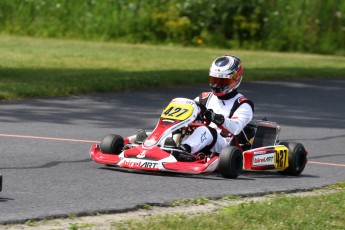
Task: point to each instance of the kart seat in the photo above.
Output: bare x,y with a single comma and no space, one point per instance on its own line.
245,136
258,133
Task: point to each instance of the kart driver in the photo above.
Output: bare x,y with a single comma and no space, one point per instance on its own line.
228,111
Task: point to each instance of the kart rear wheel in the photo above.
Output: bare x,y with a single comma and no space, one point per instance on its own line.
112,144
230,162
297,158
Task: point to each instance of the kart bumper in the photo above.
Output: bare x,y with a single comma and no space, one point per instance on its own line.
97,155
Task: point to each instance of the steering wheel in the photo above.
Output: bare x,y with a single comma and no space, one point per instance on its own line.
201,117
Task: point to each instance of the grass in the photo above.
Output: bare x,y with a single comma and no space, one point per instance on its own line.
284,212
320,209
32,67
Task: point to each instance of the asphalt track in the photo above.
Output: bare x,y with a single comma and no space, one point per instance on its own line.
45,143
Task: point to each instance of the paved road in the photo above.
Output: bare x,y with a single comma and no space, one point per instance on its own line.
54,177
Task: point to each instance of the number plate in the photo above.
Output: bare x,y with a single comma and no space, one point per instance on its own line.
177,111
281,157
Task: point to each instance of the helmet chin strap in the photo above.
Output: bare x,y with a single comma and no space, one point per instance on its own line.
217,89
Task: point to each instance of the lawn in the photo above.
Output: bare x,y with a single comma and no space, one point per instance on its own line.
32,67
283,212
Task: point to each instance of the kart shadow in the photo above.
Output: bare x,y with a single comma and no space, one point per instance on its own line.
246,175
211,176
4,199
49,164
273,175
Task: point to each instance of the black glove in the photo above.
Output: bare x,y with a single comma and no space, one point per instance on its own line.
218,119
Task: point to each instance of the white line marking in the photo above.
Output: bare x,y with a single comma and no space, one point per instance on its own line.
48,138
324,163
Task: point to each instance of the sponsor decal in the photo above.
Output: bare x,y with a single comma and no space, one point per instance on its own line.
183,101
141,155
262,160
233,75
203,137
260,152
242,99
205,95
139,164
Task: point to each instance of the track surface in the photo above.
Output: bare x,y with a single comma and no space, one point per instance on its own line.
47,171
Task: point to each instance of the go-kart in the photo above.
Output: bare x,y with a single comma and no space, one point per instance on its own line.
256,148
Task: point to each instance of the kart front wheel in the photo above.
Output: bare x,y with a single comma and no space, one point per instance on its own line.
112,144
230,162
297,158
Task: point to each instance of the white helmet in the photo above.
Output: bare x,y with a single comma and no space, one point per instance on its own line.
225,75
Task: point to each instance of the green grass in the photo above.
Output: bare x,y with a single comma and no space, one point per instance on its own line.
45,67
311,212
319,209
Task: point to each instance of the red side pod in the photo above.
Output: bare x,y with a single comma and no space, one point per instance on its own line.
264,155
99,157
247,159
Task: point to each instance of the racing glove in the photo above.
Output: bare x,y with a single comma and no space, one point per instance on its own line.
218,119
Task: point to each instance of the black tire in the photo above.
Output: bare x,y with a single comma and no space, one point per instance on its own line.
297,158
230,162
112,144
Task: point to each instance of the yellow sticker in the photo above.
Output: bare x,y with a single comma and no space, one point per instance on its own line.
281,157
177,111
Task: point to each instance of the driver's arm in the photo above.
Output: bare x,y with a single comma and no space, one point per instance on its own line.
241,117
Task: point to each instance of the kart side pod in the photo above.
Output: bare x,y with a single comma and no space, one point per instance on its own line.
265,158
288,158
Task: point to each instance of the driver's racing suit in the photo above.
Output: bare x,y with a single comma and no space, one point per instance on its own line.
237,112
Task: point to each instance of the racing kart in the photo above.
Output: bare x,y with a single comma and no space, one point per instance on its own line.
256,148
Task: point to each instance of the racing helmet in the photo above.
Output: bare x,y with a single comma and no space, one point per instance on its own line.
225,75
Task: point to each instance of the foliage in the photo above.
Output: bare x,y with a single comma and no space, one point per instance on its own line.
281,25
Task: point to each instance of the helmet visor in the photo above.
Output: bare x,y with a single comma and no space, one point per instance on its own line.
222,82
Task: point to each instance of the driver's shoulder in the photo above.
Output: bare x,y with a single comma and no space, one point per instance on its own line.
203,97
241,99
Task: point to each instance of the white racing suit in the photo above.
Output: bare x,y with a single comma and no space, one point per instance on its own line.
237,111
